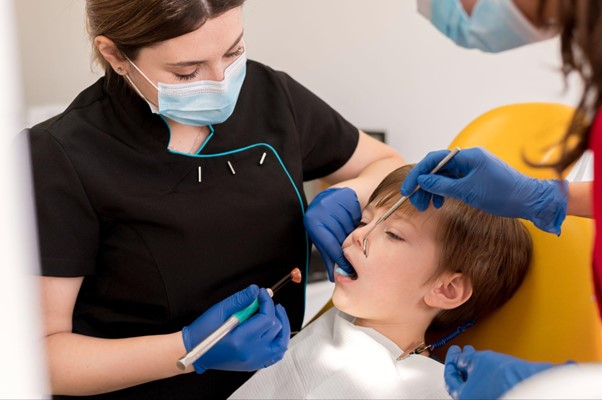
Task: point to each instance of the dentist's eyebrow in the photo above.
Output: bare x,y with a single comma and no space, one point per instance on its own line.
236,42
198,62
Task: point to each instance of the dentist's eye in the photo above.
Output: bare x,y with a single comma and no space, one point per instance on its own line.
393,236
188,77
236,53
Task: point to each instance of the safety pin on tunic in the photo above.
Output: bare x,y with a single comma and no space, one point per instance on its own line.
231,168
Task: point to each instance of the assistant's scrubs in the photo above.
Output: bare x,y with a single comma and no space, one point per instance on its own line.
161,236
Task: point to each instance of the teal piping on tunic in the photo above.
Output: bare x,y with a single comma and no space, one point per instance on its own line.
198,155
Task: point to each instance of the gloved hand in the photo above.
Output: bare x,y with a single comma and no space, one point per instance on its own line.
483,181
258,342
330,218
471,374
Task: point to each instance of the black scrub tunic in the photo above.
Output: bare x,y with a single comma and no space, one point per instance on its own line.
161,236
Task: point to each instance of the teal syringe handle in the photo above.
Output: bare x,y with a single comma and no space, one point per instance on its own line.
244,315
206,344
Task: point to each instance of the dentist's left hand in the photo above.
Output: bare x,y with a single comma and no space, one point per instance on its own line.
330,218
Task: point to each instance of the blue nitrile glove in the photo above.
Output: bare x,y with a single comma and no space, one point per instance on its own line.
258,342
330,218
471,374
483,181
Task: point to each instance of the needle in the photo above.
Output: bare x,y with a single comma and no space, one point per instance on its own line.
238,318
399,202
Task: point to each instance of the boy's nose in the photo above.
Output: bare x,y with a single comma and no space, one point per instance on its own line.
357,236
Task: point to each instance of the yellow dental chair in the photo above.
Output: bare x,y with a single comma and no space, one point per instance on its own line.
553,316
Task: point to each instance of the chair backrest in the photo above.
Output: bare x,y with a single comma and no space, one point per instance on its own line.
553,315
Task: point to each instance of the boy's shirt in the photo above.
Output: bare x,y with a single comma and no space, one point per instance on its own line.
333,358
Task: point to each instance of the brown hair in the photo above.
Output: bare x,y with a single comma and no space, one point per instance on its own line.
492,252
580,26
135,24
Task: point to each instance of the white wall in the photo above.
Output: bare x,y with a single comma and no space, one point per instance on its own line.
379,63
383,66
55,50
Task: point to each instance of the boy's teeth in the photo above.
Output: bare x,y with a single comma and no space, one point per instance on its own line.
341,271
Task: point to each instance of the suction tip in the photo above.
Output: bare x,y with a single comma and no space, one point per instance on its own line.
365,250
296,275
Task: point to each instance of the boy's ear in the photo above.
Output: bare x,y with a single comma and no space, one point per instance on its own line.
449,291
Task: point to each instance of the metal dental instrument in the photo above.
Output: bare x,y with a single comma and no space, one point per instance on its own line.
236,319
399,202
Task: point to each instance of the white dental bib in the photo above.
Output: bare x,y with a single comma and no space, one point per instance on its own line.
334,359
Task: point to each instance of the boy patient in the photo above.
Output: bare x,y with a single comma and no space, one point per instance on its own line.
425,271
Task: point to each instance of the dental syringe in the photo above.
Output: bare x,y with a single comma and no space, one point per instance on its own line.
236,319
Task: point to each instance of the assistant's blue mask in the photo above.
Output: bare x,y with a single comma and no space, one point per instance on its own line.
199,103
493,26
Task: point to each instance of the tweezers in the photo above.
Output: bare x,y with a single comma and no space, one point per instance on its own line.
399,202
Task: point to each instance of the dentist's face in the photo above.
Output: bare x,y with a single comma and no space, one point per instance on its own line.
203,54
391,281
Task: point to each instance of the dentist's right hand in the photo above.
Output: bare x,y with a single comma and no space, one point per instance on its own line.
257,343
481,180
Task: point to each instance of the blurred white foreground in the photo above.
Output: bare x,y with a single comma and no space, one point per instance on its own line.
22,365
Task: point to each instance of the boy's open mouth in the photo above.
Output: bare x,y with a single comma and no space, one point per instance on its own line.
351,275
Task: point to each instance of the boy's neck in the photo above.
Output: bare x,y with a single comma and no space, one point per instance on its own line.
403,334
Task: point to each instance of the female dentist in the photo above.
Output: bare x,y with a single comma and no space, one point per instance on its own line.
169,185
477,177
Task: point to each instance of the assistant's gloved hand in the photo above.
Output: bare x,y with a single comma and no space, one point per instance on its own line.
471,374
483,181
258,342
330,218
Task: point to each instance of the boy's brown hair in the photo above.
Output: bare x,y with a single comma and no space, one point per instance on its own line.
492,252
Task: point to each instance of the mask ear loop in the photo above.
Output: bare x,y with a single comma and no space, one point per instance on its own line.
132,84
141,73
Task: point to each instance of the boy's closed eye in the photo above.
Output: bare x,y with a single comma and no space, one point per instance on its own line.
394,236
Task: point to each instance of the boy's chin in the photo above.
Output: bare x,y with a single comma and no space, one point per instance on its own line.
337,298
342,301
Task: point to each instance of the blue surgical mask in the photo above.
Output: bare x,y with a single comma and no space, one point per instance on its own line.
493,26
199,103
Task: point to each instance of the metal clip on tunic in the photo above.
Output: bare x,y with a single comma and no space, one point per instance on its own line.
415,348
399,202
419,346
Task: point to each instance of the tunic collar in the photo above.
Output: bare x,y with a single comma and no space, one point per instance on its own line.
147,130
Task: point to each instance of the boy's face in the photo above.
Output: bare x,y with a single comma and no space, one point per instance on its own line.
391,281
